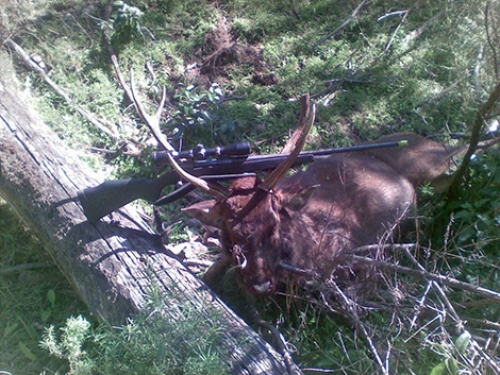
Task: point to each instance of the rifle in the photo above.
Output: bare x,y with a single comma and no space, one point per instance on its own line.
219,163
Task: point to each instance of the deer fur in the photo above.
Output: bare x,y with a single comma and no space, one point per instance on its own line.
310,218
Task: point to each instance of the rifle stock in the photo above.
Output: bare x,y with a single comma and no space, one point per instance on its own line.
109,196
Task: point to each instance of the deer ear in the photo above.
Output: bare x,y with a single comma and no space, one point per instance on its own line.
297,201
204,212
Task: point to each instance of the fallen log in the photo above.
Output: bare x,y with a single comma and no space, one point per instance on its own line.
111,264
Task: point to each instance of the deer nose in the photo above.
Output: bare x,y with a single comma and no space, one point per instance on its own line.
263,288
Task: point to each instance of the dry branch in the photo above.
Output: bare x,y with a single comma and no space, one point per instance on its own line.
343,26
446,280
30,64
434,324
349,307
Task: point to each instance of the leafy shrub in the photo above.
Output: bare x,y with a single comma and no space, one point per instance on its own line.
126,23
476,219
148,344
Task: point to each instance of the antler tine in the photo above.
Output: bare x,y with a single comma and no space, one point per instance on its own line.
153,123
306,121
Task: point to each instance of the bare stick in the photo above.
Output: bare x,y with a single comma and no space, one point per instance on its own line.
389,44
25,58
291,367
460,323
426,275
197,263
343,26
348,305
420,306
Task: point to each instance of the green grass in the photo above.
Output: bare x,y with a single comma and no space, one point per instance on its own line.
147,344
33,294
46,329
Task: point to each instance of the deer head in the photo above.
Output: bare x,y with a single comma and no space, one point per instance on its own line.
254,241
239,208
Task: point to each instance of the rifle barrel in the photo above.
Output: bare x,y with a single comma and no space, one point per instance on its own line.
363,147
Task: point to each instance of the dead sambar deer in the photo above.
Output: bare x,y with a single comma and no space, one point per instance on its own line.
285,229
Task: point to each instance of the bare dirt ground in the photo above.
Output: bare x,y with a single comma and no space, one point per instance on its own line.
222,52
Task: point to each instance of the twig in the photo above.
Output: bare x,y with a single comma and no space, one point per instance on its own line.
343,26
460,323
197,262
389,246
426,275
319,370
292,368
297,270
485,322
421,329
420,306
33,66
493,364
405,16
349,307
111,154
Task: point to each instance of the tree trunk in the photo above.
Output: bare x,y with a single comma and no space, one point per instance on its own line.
111,264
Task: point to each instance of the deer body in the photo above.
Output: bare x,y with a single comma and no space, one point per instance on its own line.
307,220
310,218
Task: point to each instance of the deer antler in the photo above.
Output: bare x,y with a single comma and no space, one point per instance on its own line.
153,123
306,120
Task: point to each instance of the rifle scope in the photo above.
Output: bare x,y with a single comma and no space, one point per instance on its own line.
201,153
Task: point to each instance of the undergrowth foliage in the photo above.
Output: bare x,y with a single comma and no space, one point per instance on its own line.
32,294
233,71
126,23
476,220
147,344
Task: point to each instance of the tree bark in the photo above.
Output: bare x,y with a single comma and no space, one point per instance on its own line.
111,264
